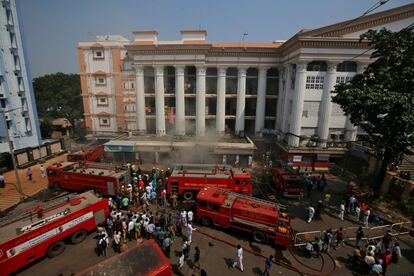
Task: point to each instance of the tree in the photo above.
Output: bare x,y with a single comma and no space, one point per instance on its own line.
381,99
58,96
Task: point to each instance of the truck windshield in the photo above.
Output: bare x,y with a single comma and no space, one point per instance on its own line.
293,183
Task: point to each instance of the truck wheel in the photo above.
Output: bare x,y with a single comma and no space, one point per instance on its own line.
205,221
78,237
55,249
259,237
188,195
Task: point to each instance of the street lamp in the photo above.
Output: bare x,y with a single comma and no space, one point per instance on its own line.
3,116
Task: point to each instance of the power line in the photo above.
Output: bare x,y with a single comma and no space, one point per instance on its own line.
371,9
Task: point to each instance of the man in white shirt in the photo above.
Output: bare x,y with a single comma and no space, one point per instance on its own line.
311,213
352,201
239,257
366,217
117,241
190,230
190,216
341,211
130,229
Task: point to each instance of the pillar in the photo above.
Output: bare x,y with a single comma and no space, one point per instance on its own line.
221,100
179,101
297,108
201,101
141,117
285,116
261,101
326,104
159,100
280,99
241,100
350,129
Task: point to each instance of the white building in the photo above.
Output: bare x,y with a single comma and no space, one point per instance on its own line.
192,87
17,102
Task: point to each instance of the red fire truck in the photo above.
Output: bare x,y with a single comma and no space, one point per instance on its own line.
289,184
265,220
187,180
91,153
143,259
103,179
38,232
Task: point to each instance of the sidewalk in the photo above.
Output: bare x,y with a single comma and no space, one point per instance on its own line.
9,195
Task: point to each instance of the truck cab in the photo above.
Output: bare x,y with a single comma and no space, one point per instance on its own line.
289,184
242,183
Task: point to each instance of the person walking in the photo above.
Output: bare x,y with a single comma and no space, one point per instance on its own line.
239,257
42,171
181,261
166,245
351,206
190,230
309,248
268,265
117,242
311,212
367,213
359,237
29,174
341,211
357,213
131,230
1,181
327,239
174,201
339,237
196,262
183,215
318,246
318,209
190,216
186,249
396,253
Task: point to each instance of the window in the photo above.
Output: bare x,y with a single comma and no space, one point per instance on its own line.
98,54
347,66
28,124
100,81
305,113
104,122
214,207
3,103
103,101
343,79
317,66
314,82
129,107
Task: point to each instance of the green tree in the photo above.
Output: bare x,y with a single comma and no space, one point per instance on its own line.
381,99
58,96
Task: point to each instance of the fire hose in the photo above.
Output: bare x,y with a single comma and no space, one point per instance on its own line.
285,265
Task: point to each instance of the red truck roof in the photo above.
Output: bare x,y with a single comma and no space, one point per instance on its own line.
87,169
243,206
12,227
143,259
286,174
208,171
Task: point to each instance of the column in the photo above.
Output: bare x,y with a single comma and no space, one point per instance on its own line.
159,100
241,100
179,101
326,104
141,116
297,108
261,101
286,117
350,129
221,100
201,101
280,99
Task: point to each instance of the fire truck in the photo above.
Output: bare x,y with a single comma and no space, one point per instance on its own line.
143,259
187,180
92,153
103,179
41,231
289,184
265,220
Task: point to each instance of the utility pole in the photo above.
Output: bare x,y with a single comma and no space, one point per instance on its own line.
4,122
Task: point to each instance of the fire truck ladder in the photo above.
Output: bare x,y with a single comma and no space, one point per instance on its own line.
13,217
279,206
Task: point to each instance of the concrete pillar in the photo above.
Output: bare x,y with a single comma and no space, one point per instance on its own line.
350,129
159,100
221,100
280,99
261,101
297,110
241,100
141,116
179,101
156,157
201,101
326,104
285,116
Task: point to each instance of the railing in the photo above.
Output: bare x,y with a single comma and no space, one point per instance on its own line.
371,233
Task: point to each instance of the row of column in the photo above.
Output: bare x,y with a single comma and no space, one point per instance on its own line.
292,123
200,100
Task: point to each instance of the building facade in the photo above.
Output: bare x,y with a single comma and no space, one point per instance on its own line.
18,114
194,87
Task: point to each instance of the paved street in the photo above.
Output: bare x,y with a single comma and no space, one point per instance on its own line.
10,196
